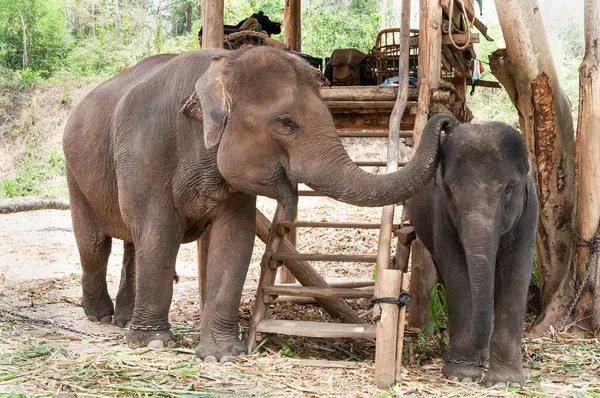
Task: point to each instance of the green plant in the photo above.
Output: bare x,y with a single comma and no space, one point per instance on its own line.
438,308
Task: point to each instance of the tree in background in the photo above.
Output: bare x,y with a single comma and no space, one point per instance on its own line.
327,26
39,23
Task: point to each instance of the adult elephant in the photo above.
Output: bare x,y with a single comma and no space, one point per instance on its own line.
478,218
178,142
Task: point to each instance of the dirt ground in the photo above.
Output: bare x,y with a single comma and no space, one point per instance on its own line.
39,278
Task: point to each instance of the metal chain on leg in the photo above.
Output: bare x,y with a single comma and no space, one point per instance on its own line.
594,246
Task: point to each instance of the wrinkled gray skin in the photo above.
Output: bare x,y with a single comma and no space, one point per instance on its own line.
478,218
141,170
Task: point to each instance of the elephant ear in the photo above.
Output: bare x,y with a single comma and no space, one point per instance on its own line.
210,103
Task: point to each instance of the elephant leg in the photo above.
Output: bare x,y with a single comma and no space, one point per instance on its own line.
513,273
126,294
461,359
156,247
94,249
231,242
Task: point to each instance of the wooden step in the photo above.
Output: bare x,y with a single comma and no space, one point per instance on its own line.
301,291
317,329
350,258
323,224
370,134
310,192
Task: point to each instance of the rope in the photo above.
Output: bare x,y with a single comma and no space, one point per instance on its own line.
402,300
468,43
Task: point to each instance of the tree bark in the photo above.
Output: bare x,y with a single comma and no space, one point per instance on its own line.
527,71
25,57
93,20
212,25
292,14
587,182
117,17
12,206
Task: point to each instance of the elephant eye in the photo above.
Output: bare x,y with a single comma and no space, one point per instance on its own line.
284,124
509,187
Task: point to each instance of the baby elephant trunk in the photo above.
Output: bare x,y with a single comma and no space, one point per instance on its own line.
481,243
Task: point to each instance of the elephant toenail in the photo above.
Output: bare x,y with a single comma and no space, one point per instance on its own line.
156,344
453,378
171,343
210,358
225,359
106,319
92,318
467,380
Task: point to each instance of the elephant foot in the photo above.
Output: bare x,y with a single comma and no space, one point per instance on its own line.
504,376
211,350
123,315
104,319
98,310
150,338
465,373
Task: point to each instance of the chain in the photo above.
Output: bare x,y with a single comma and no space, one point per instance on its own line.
594,245
145,328
479,364
44,322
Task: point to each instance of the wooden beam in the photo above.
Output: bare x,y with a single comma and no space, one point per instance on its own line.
423,276
301,291
460,39
212,25
349,258
291,24
317,329
401,327
202,244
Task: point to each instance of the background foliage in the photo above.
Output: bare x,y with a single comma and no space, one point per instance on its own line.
72,45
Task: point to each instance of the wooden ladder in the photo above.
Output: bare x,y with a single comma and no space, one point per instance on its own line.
388,283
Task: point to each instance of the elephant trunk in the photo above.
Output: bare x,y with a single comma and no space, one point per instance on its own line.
479,237
331,171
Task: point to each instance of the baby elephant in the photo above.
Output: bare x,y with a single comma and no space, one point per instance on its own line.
478,218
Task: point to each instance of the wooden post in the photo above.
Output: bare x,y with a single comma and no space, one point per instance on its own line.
212,37
203,243
400,338
387,215
212,25
285,276
423,277
423,272
291,24
387,329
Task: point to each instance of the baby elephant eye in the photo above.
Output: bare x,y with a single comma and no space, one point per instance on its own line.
284,124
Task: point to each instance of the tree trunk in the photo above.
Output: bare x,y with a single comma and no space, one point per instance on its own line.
188,16
383,10
25,57
527,72
583,272
117,17
93,20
